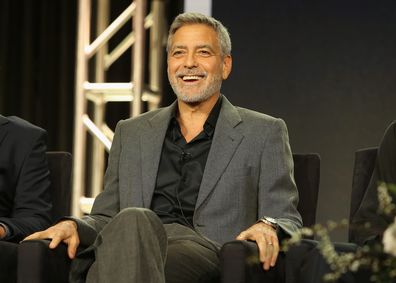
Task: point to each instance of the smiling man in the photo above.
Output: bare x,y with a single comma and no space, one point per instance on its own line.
196,68
184,179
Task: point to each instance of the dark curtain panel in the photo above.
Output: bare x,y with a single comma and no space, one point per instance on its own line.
37,56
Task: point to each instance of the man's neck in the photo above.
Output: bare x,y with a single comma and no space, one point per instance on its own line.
192,116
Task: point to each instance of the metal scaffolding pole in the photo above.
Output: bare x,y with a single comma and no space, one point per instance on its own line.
98,152
157,43
138,57
84,10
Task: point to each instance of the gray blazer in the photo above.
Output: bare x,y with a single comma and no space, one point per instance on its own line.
248,174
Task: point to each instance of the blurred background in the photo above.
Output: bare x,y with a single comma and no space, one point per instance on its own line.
328,68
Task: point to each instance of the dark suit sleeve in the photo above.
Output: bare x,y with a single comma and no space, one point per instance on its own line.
31,210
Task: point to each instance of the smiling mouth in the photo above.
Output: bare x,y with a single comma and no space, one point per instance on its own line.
191,78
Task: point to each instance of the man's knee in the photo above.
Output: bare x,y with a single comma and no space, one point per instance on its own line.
135,211
188,261
135,215
129,219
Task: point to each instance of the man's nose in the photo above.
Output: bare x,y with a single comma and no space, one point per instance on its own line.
190,61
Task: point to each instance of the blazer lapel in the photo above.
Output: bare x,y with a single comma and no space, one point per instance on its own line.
3,128
151,142
225,142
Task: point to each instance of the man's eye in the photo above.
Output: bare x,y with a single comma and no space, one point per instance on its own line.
204,52
177,53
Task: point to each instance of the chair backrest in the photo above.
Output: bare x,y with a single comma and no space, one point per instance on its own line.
60,165
362,170
307,177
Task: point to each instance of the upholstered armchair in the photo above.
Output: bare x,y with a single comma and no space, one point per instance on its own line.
239,259
304,263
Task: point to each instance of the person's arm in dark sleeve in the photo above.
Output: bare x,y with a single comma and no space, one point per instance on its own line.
31,210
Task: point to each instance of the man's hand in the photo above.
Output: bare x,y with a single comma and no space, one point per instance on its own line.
267,240
64,231
2,232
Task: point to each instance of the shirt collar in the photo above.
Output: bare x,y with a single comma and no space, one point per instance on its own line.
210,123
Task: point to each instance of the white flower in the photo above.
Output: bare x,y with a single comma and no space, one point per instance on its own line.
389,239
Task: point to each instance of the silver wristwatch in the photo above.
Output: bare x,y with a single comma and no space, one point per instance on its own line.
269,221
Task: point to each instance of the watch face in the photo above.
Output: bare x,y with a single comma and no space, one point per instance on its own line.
271,220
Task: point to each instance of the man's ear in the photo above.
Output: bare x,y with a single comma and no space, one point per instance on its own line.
227,66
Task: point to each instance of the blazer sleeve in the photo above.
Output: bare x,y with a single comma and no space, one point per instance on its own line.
31,210
107,203
278,195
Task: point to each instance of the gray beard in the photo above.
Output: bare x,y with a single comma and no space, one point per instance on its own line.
201,96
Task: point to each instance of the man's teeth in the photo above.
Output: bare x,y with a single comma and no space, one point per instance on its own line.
188,78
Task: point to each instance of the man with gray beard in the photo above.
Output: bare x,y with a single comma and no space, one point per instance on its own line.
185,179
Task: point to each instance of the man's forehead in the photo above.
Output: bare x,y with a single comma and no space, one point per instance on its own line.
194,30
195,35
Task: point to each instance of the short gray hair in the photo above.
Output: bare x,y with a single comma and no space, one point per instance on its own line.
196,18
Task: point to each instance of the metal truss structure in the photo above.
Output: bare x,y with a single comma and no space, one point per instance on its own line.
99,92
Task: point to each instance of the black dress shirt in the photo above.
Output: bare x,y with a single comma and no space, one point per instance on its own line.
181,169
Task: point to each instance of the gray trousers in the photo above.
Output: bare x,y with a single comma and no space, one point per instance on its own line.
136,247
